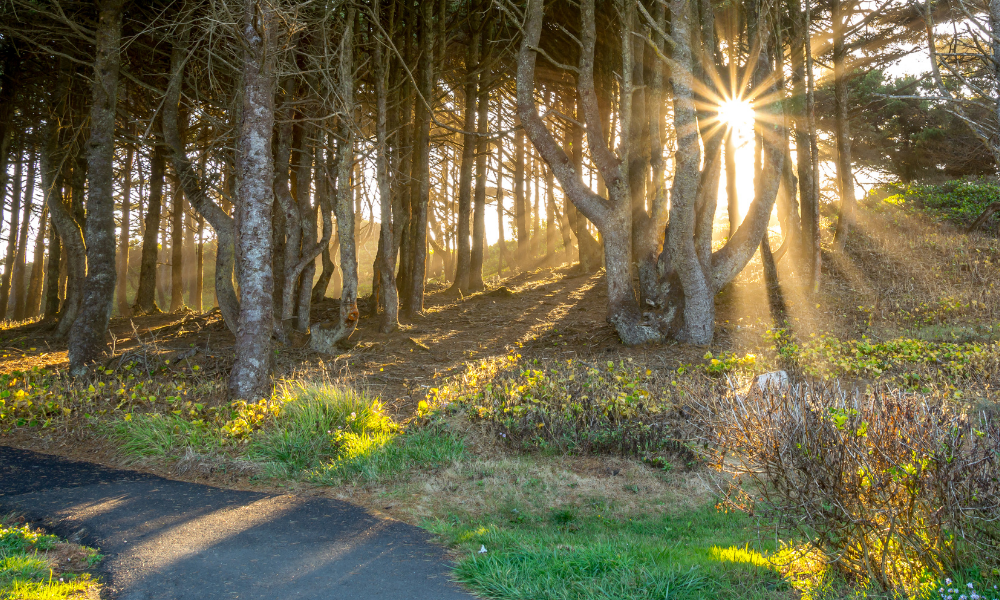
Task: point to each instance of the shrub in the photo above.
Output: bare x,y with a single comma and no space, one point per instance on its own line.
957,201
889,487
575,406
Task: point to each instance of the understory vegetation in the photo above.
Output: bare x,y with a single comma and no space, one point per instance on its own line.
38,566
633,475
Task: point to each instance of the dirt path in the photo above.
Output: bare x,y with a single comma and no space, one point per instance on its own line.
170,539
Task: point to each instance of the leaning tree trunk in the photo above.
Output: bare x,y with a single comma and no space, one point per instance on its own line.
86,338
145,296
326,337
225,258
66,225
250,378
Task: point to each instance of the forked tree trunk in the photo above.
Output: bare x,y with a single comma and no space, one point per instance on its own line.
66,225
250,378
327,337
225,257
86,339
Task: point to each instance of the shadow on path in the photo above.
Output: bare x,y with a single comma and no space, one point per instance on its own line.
170,539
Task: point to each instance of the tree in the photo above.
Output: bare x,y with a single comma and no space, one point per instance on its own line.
251,375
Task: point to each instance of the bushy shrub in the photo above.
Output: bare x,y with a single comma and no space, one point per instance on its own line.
890,487
958,201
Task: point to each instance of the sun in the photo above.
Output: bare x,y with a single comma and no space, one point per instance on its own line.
736,114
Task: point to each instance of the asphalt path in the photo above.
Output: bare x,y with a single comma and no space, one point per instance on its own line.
170,539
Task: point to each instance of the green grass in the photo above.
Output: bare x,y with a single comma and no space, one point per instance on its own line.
330,435
27,575
570,554
320,433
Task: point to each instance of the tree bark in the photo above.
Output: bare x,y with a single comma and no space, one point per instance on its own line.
415,290
66,225
177,248
86,339
15,216
326,337
225,258
842,126
145,296
388,295
464,226
50,293
33,302
19,284
482,150
250,378
123,243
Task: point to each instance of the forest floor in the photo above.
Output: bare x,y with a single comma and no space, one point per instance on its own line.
906,278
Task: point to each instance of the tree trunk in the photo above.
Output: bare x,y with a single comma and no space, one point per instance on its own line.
329,191
805,142
464,226
145,296
482,150
199,273
66,225
842,126
415,290
123,244
15,215
250,378
33,302
19,284
176,248
225,257
326,337
520,205
310,247
86,339
50,293
388,295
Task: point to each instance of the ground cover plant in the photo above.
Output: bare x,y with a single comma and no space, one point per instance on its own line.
958,201
38,566
582,468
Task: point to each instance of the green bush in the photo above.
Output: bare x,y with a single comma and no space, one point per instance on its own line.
957,201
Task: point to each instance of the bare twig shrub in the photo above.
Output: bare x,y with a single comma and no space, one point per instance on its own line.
888,486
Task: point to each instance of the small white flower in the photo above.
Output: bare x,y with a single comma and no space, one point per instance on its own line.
482,549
